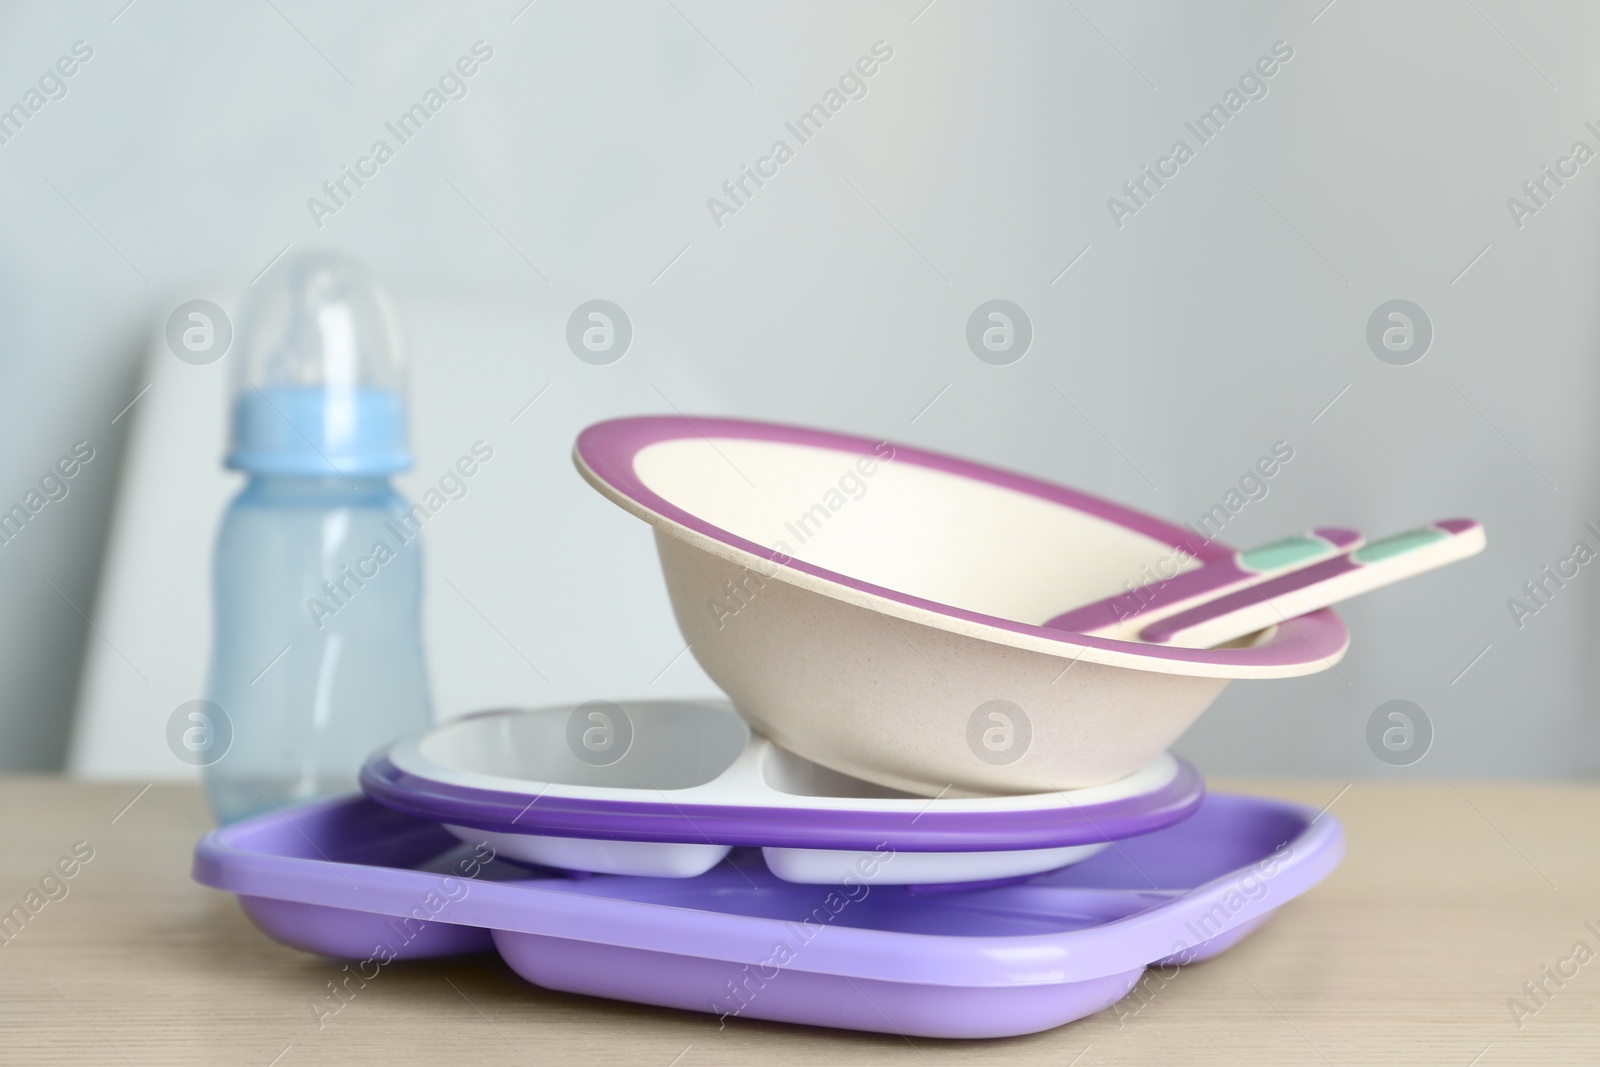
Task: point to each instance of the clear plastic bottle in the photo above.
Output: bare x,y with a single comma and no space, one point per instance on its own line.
317,657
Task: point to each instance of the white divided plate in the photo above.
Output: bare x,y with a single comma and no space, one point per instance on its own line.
667,788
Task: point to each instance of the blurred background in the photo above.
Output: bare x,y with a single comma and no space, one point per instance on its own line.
1422,151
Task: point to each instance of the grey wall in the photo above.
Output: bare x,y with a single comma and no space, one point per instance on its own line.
1222,317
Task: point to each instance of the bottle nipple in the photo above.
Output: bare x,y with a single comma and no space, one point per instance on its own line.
319,377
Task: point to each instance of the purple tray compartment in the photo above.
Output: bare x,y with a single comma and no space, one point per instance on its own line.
342,877
345,934
793,996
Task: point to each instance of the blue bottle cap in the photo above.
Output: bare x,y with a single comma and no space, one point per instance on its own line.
319,387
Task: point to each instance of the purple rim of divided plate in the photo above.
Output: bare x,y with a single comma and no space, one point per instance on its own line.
337,878
607,450
928,830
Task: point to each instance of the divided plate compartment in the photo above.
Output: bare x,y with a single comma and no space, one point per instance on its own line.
667,788
350,879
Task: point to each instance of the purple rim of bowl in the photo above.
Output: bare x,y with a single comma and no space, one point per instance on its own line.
929,830
605,451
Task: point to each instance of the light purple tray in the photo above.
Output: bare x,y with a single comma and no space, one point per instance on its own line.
349,878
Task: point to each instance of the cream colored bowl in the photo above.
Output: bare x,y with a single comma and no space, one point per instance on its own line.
878,609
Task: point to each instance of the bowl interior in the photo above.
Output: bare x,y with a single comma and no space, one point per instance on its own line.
665,745
935,534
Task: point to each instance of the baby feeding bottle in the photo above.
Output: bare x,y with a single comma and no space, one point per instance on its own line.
317,653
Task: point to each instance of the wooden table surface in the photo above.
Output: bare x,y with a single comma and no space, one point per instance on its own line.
1451,898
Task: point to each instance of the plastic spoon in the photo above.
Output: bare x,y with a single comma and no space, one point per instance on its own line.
1380,563
1125,614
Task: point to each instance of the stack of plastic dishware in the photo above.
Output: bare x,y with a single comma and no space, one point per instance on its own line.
925,811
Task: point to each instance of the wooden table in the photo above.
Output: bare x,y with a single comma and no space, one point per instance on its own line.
1451,898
